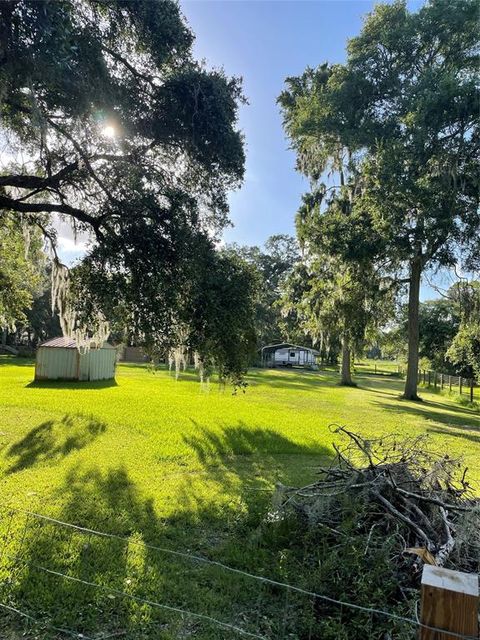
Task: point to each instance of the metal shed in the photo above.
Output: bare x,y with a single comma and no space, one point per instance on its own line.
289,355
59,359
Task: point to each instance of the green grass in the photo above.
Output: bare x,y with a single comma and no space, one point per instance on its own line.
380,367
167,463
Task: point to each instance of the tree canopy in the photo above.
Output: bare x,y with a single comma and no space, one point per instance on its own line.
402,116
21,261
110,123
464,352
272,265
337,300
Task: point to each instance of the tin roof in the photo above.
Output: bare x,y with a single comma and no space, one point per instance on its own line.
68,343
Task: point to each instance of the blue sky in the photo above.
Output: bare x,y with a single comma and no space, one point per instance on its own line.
265,41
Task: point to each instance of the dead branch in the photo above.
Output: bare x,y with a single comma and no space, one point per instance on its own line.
394,489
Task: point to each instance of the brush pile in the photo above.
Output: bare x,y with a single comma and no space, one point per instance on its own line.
392,488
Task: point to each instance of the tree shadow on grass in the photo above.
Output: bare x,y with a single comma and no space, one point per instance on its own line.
11,360
72,385
378,384
460,432
39,551
298,379
52,440
435,412
387,390
241,439
249,461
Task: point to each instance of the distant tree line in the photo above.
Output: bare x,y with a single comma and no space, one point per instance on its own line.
449,332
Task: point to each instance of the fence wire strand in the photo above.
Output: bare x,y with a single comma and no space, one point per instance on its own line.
151,603
195,558
42,623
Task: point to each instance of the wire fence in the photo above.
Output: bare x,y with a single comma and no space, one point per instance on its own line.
59,579
467,388
379,368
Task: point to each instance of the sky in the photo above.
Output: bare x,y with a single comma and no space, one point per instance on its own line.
264,41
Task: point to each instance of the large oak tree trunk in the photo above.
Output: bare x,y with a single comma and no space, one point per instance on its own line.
411,381
346,375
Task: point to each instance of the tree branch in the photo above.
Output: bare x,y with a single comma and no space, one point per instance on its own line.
128,65
38,182
84,157
50,207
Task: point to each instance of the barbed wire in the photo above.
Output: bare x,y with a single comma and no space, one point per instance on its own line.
37,621
151,603
192,557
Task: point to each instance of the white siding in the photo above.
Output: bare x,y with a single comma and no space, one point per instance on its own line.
300,357
56,364
102,364
59,363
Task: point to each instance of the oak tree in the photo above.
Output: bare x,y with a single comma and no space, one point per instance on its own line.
405,104
111,124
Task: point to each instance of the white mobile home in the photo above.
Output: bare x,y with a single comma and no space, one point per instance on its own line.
289,355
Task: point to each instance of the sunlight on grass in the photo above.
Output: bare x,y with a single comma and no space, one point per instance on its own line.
167,463
171,435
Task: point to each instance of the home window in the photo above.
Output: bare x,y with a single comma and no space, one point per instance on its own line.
292,354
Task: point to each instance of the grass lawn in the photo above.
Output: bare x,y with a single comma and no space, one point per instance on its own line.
166,463
376,366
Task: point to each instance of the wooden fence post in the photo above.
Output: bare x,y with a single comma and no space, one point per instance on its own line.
449,602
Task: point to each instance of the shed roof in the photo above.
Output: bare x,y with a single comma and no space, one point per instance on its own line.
68,343
288,345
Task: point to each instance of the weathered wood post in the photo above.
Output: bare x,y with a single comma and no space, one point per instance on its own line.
449,602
